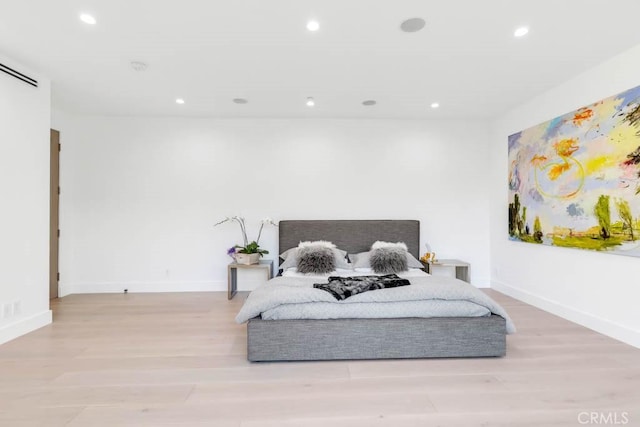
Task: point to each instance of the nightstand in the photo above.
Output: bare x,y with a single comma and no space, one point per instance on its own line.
232,274
460,268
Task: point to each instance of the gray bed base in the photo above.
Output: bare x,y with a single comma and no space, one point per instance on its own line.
351,339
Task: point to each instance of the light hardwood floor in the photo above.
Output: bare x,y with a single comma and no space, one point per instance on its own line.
180,360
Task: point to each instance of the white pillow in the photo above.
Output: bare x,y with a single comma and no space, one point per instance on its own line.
322,243
379,244
284,255
360,260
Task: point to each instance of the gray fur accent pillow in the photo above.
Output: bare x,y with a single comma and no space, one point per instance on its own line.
388,260
291,258
316,259
361,260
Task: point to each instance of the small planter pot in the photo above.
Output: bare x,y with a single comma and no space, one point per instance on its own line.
247,259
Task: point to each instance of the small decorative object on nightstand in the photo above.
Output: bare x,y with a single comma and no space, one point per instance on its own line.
428,257
438,267
232,274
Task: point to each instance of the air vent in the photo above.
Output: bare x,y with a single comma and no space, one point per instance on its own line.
13,73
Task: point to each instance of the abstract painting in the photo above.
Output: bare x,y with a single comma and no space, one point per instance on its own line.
574,181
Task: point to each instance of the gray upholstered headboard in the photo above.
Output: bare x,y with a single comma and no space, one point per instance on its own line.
351,235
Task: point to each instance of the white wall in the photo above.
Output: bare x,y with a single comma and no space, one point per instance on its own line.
24,215
140,195
597,290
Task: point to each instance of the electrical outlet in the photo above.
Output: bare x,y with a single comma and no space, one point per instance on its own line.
17,308
7,310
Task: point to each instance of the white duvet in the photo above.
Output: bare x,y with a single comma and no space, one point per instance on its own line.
294,297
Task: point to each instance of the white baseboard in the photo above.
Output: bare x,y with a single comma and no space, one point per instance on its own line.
481,282
247,285
24,326
598,324
212,286
135,287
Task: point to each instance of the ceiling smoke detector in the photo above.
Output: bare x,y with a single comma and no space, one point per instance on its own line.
413,25
369,102
138,66
240,100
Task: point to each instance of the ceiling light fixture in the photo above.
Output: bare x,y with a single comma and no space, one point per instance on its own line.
311,102
180,101
435,105
313,25
88,19
412,25
520,32
240,100
369,102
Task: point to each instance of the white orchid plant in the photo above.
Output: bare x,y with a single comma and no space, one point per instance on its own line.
252,247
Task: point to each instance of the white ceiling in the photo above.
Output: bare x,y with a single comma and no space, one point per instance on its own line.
209,52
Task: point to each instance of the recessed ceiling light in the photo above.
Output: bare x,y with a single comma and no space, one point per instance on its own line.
138,65
240,100
180,101
369,102
412,25
88,19
435,105
313,25
311,102
522,31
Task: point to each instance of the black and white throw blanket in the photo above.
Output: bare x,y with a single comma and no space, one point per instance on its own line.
344,287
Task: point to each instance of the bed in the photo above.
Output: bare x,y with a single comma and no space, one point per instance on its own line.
369,338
